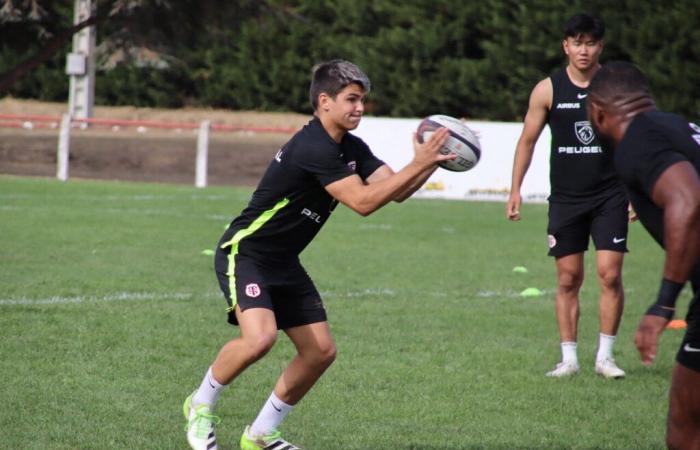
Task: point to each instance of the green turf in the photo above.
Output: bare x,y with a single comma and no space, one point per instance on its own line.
110,314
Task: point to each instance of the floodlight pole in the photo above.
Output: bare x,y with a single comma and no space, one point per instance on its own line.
80,63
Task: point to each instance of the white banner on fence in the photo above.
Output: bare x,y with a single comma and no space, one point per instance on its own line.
390,140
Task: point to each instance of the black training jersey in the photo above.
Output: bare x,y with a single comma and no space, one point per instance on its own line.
579,167
290,204
652,143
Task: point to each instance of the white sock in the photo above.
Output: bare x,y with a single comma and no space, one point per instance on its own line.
270,417
208,392
568,352
605,347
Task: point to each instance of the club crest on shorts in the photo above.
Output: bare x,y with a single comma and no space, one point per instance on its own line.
551,240
584,132
252,290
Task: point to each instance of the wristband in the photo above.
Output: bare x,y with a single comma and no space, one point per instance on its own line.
665,304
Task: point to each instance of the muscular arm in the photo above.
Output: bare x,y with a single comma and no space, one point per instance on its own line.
385,172
677,192
367,198
535,120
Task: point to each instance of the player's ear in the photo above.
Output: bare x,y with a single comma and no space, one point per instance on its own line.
596,115
565,46
323,100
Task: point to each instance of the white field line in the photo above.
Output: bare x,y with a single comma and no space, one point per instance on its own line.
137,212
117,297
375,226
106,198
145,296
351,294
140,296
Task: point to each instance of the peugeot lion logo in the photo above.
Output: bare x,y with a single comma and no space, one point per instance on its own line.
584,132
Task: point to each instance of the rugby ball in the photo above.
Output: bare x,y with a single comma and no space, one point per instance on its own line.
462,141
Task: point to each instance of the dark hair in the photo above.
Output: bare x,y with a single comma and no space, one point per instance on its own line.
584,24
618,79
331,77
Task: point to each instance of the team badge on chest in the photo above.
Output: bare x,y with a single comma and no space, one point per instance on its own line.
584,132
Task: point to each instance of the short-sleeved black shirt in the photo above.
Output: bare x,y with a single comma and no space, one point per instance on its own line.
653,142
290,204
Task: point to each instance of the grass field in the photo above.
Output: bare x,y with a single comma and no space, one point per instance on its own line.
110,314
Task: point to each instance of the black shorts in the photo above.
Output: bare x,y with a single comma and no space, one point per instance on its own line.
604,219
287,289
689,353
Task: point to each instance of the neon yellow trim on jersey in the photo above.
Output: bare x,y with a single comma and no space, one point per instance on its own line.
233,243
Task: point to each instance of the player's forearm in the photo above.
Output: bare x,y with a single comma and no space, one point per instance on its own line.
521,163
376,195
415,185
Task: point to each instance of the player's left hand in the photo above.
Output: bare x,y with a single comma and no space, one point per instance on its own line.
647,337
428,152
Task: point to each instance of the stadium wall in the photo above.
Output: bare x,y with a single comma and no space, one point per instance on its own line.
390,139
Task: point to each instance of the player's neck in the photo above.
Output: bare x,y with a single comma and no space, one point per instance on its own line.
628,111
581,78
335,131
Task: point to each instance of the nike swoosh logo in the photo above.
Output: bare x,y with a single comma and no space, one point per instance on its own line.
580,96
212,386
276,408
688,348
617,241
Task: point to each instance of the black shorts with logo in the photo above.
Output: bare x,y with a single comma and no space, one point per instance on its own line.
286,289
603,218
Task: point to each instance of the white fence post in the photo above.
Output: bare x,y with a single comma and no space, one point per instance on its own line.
63,148
202,151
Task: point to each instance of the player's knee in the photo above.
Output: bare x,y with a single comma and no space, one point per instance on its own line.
682,435
570,281
610,279
322,356
674,441
260,344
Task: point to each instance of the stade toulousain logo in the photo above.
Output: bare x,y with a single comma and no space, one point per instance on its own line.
584,132
252,290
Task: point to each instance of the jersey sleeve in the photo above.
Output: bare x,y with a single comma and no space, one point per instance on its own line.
655,154
367,162
324,162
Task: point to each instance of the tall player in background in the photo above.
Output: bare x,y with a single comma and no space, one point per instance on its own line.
657,156
586,198
257,259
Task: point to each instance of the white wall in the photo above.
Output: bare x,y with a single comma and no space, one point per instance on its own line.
390,140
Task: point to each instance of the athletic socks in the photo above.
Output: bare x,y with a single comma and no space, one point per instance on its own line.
568,352
208,392
270,417
605,347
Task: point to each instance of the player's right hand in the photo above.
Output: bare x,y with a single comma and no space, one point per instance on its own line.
647,337
513,206
428,153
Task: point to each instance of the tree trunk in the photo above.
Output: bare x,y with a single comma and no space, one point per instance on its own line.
8,78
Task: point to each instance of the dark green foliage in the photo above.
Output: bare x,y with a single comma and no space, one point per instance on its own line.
467,59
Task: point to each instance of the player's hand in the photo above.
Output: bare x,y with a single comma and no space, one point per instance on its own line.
647,337
428,153
631,213
513,206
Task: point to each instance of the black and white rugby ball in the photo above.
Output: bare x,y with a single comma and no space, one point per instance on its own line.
462,141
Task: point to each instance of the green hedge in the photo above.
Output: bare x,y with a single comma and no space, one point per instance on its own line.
476,59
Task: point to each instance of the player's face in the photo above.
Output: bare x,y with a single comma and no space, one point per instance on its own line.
347,107
583,51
